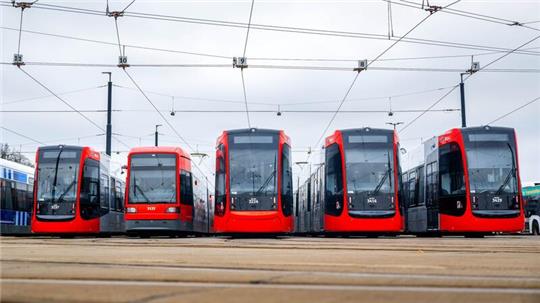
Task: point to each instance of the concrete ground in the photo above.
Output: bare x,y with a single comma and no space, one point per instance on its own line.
289,269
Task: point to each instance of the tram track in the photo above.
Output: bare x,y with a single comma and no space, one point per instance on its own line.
317,287
360,245
296,269
208,273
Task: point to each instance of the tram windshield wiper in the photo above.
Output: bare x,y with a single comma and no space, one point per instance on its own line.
510,173
267,181
383,179
61,197
137,187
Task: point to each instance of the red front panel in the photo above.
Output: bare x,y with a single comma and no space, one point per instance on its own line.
469,222
158,211
253,221
346,223
77,225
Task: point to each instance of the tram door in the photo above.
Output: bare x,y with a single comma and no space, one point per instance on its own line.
432,184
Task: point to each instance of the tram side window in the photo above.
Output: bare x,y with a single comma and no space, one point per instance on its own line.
6,196
411,189
116,195
333,181
105,194
297,202
186,188
451,180
220,177
119,198
286,181
419,187
90,190
309,196
431,183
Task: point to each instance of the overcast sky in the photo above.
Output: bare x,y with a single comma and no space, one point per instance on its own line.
488,94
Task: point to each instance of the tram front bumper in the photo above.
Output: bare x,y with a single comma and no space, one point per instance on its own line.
157,225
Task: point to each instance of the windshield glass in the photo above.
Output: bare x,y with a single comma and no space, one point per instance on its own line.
57,181
369,165
253,165
57,176
491,167
152,178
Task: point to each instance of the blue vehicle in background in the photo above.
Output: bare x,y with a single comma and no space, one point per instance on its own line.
16,197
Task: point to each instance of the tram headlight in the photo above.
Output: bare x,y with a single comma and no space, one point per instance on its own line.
131,210
172,210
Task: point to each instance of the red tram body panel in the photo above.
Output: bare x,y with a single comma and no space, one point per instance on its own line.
158,190
74,192
469,222
365,209
253,182
468,184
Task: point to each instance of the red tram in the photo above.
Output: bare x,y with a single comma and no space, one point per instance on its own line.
468,184
76,192
164,194
254,191
359,185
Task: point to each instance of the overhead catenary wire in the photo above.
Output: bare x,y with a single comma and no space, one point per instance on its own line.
219,111
22,135
127,6
513,111
242,68
285,67
50,95
280,28
66,103
372,68
20,31
356,77
165,119
468,14
252,58
248,27
406,126
64,139
245,98
413,93
116,43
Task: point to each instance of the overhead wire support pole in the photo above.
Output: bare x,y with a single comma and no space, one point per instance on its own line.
108,144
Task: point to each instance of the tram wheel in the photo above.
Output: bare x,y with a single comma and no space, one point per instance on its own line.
535,228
